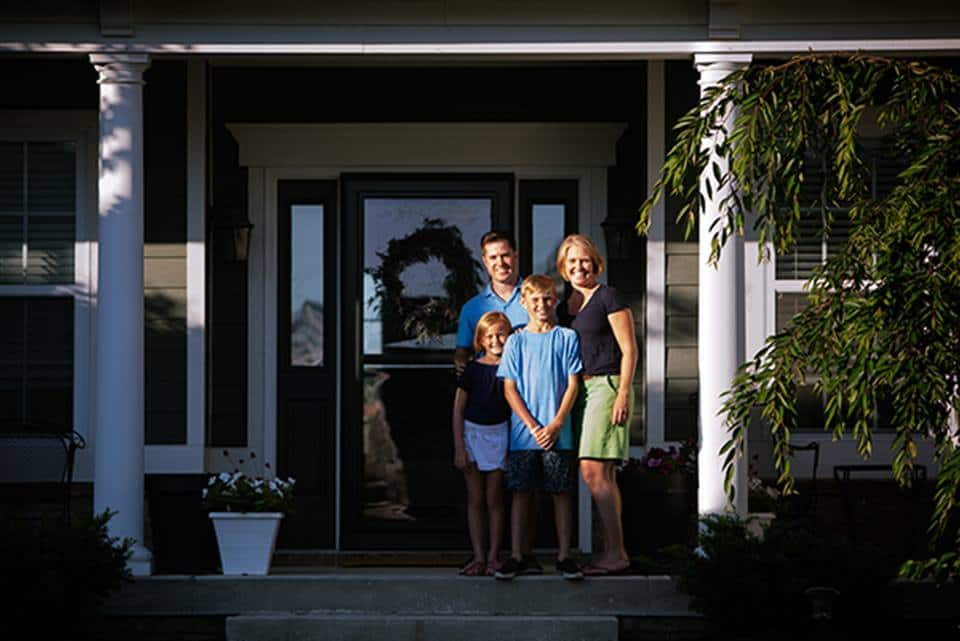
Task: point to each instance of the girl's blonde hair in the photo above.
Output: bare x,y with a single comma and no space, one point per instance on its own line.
488,320
583,242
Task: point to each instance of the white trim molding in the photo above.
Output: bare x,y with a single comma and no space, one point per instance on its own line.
655,352
196,254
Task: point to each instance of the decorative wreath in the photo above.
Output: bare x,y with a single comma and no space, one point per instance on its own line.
433,239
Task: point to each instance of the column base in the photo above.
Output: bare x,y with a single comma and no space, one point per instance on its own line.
141,561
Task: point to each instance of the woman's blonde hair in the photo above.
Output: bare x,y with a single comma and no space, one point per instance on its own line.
584,243
487,321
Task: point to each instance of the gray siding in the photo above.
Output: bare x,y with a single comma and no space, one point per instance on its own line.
165,255
681,308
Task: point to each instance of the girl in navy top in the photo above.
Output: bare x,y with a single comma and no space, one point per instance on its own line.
480,429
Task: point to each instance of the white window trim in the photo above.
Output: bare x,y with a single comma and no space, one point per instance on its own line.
81,128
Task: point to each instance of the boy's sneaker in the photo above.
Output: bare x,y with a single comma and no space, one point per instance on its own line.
570,569
530,565
508,570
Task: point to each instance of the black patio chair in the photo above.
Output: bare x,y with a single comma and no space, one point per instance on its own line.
804,504
32,452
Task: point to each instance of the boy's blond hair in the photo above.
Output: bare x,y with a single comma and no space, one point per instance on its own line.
584,243
538,284
488,320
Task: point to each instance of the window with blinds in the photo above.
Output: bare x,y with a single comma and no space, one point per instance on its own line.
813,243
38,186
36,360
810,404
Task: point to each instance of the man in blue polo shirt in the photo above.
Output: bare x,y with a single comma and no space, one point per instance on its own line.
502,294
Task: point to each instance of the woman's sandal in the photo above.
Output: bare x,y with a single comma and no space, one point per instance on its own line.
473,568
492,567
596,570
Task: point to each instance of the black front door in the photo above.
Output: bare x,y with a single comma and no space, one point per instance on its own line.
307,358
411,257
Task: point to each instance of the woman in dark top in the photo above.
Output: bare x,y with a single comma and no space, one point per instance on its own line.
608,347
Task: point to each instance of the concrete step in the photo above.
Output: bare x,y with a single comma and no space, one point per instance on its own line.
322,626
401,592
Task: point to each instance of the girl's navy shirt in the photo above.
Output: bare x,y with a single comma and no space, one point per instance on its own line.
486,403
598,346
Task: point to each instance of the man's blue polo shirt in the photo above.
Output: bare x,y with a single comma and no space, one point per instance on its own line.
488,301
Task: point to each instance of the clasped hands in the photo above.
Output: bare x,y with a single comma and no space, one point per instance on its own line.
545,435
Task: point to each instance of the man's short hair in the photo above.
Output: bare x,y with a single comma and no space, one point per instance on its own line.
495,236
538,284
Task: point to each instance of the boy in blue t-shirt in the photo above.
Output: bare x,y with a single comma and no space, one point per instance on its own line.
540,367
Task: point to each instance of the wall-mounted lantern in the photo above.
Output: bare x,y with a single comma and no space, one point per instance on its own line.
619,236
232,238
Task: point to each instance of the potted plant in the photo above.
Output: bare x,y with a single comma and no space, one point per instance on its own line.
246,511
659,492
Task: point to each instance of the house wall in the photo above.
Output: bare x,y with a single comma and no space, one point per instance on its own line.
165,252
680,407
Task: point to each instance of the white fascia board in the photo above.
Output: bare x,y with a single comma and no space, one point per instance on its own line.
516,41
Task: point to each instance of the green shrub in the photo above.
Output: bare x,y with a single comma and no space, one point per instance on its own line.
61,574
748,587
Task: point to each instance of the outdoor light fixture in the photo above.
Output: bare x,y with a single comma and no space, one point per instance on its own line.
232,237
241,240
618,235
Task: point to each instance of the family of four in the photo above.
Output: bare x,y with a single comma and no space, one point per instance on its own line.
543,385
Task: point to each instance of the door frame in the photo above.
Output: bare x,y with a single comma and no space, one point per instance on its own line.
272,152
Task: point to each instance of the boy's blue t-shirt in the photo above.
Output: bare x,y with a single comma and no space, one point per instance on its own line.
541,365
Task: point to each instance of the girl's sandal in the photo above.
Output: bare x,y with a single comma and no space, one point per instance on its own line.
473,568
492,567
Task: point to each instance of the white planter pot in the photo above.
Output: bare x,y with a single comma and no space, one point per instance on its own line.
246,540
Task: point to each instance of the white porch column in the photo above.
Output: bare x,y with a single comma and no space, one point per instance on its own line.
720,334
118,475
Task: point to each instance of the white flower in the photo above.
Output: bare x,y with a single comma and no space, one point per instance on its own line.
223,476
204,492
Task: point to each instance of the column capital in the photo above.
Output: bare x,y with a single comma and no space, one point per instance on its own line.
720,64
120,68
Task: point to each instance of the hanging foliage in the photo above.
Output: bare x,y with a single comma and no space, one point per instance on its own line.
882,324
